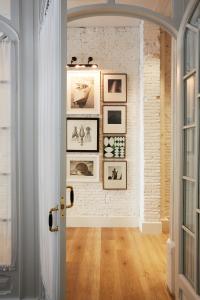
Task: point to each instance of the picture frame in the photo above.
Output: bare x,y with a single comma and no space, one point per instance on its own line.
114,87
82,168
82,134
114,119
114,175
114,146
83,92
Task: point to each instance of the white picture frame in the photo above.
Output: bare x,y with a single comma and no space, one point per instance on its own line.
82,168
83,92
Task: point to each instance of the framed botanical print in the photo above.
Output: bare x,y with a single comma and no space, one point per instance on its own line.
115,175
114,119
114,146
83,92
81,168
115,87
82,135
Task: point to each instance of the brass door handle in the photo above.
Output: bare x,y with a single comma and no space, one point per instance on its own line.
51,228
71,196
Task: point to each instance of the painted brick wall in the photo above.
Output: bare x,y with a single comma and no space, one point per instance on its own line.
116,49
151,122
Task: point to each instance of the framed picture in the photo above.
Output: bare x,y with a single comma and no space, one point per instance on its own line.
114,119
82,168
83,92
115,87
82,135
114,146
115,175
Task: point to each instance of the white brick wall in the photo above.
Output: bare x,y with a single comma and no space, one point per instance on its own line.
118,49
151,123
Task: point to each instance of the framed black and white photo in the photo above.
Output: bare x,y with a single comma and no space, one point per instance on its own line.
83,92
115,87
114,146
82,134
114,119
81,168
115,175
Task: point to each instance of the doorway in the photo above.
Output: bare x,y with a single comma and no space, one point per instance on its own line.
103,220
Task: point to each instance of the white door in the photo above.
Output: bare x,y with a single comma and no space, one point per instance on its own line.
188,255
51,148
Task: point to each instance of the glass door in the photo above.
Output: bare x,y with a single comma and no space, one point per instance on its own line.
190,212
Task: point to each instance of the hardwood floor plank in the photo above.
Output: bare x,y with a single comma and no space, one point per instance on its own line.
115,264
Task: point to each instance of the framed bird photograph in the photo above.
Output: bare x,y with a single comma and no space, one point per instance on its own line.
83,92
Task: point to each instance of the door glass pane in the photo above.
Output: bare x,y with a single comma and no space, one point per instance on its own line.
5,152
76,3
189,100
189,152
190,50
5,8
195,20
188,257
188,204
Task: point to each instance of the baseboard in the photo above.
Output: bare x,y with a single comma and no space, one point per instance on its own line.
98,221
165,225
171,266
151,227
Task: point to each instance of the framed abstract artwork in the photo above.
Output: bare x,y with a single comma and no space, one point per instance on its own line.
114,119
114,146
115,87
115,175
81,168
83,92
82,134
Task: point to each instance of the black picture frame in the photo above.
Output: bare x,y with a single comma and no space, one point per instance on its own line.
79,120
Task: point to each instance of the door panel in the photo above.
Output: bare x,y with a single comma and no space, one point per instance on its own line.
51,134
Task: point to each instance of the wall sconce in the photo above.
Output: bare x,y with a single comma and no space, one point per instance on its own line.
88,65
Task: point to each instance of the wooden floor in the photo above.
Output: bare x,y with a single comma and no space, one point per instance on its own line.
115,264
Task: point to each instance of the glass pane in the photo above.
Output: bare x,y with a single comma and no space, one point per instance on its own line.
5,152
195,20
190,50
189,152
76,3
163,7
190,100
189,204
188,257
5,8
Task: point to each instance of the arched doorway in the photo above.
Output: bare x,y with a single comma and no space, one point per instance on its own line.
113,9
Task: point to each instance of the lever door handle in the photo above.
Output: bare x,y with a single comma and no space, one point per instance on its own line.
51,228
71,197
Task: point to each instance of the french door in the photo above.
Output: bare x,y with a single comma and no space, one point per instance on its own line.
51,149
189,248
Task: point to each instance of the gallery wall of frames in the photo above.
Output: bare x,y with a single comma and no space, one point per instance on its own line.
85,90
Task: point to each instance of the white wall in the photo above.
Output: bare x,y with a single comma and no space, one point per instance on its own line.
134,50
116,49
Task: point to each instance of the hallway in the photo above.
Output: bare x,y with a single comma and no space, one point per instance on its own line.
115,263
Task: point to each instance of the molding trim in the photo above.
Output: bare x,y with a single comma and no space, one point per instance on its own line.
171,266
99,221
151,227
